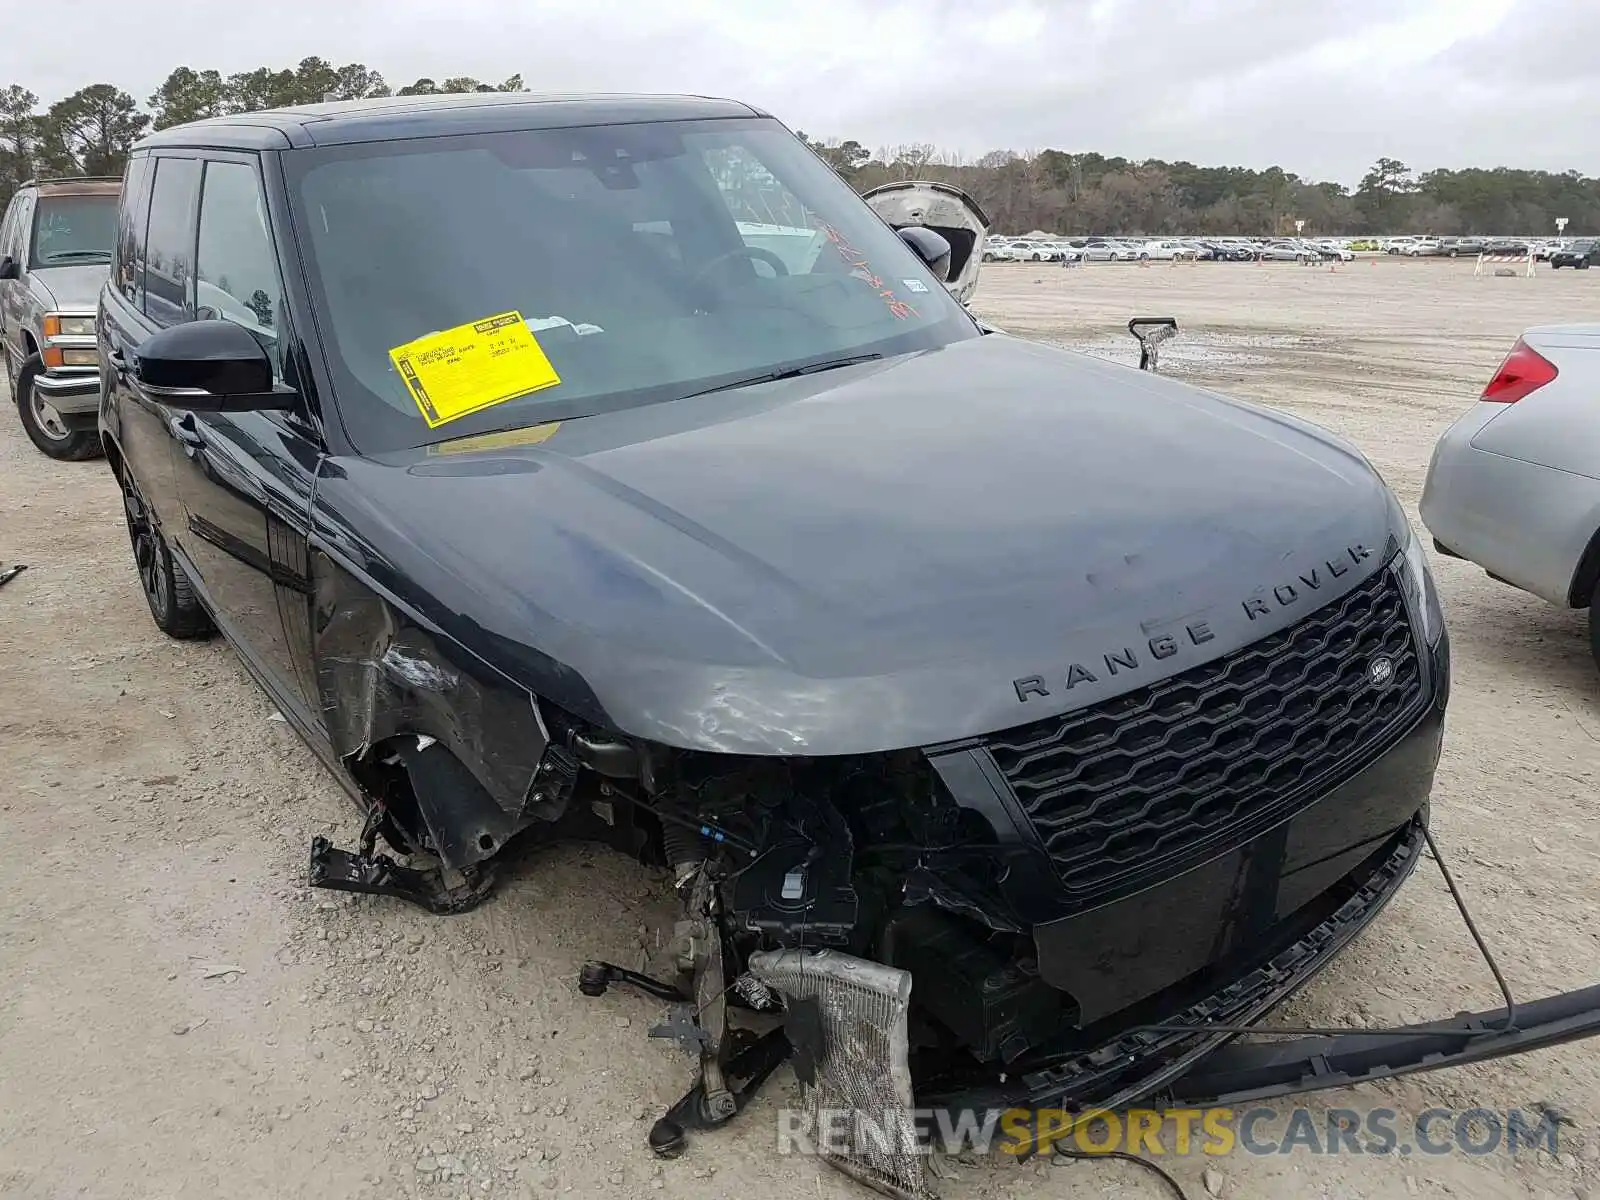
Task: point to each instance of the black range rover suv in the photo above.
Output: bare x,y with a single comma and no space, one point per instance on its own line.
606,468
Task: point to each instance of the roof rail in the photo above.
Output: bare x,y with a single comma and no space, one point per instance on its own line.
72,179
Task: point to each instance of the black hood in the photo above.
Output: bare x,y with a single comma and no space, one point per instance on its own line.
900,553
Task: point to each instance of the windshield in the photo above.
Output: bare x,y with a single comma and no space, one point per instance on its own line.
647,262
73,229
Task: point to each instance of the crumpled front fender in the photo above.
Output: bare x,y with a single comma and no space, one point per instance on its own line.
382,672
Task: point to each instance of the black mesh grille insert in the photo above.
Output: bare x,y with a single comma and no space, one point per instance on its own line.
1219,751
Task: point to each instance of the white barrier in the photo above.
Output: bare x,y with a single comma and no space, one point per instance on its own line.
1478,272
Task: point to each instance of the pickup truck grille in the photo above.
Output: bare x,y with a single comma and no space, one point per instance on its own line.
1212,756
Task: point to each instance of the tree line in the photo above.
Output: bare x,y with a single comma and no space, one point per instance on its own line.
91,131
1060,192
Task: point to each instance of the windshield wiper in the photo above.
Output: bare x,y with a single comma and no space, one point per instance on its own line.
60,254
815,368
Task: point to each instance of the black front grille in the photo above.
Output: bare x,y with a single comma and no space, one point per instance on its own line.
1220,751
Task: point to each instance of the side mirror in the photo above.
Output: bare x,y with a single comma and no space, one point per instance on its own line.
9,268
208,366
930,247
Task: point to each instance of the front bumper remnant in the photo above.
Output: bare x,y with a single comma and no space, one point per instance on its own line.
856,1060
860,1065
379,875
1248,1071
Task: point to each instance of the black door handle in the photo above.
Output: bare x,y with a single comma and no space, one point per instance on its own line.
185,430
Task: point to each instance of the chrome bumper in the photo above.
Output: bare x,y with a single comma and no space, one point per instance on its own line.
70,393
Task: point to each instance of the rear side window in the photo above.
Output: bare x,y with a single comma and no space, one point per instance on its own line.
132,218
7,223
169,243
10,229
236,270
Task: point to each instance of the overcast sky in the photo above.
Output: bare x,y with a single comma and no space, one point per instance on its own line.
1320,89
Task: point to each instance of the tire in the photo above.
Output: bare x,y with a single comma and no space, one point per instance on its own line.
987,257
173,605
1583,264
45,429
1594,624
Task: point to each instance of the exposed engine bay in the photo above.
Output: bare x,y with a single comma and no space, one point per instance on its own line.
850,915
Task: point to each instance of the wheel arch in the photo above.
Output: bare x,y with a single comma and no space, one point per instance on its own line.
1585,578
393,686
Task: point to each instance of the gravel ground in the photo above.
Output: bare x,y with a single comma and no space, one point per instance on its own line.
182,1017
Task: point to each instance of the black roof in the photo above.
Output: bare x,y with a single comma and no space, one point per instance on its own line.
348,121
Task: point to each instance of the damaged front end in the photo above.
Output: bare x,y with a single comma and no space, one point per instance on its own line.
1074,913
889,923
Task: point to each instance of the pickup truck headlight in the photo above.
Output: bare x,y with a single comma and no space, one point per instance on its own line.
80,358
1418,580
55,325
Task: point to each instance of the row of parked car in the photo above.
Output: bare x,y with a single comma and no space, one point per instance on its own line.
1574,252
1221,249
1569,252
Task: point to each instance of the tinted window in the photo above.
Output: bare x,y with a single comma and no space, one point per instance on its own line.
650,261
7,223
169,246
236,273
132,217
73,229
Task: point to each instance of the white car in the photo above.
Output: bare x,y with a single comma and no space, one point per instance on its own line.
1514,484
1287,250
1164,251
1108,250
1028,250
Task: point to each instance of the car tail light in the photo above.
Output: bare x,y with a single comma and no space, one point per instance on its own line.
1524,370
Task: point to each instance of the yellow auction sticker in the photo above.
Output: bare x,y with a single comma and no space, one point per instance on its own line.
472,367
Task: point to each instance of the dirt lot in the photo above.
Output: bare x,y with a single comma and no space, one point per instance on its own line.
155,818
